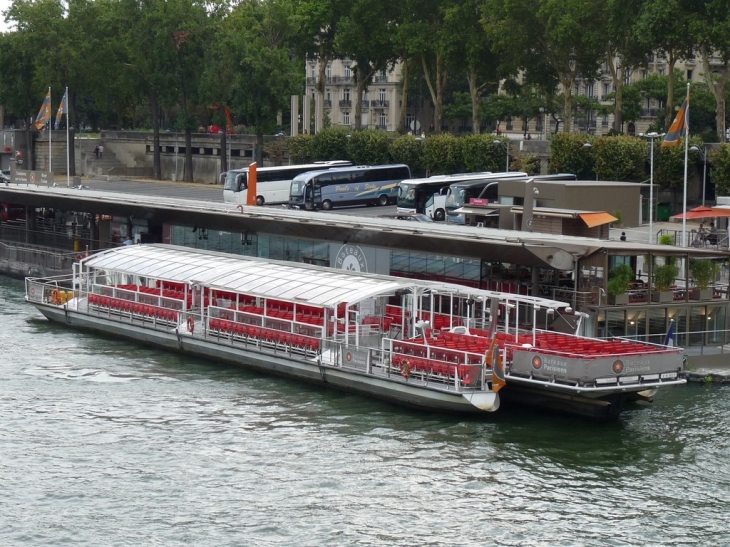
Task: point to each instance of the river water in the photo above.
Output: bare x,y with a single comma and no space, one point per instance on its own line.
104,442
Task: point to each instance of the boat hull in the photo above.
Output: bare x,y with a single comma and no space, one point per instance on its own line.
392,389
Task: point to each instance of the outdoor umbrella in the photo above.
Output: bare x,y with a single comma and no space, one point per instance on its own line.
702,212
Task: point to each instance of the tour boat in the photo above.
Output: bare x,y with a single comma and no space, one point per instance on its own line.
421,343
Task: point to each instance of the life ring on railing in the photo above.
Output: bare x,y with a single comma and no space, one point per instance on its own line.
191,324
79,256
405,369
55,297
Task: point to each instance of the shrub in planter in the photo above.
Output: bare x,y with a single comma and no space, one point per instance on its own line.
704,272
619,280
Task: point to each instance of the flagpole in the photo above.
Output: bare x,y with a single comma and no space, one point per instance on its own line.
686,152
50,127
68,151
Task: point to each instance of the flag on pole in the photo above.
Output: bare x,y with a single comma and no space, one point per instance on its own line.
669,340
62,109
680,125
44,114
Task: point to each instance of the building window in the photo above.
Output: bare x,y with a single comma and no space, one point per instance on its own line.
644,74
589,90
508,121
689,75
345,118
538,123
381,94
605,89
346,94
661,72
329,95
382,121
348,72
410,121
329,72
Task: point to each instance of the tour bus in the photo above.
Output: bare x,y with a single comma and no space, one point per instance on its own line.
343,186
484,187
272,183
428,195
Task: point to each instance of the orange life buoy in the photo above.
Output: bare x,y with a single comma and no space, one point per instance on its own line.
191,324
55,297
405,368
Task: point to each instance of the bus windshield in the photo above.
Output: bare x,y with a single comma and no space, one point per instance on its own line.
231,183
297,186
406,194
456,197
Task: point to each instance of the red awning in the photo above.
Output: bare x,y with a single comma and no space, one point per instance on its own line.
597,219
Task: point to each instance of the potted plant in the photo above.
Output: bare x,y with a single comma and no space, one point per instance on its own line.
619,280
665,275
704,273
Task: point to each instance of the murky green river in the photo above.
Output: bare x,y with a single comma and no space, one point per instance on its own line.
104,442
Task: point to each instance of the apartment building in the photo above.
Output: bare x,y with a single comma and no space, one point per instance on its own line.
381,102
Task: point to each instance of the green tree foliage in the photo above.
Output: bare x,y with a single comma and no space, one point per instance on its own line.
300,148
331,144
369,147
669,165
528,163
720,170
620,158
568,154
260,35
442,154
480,153
409,150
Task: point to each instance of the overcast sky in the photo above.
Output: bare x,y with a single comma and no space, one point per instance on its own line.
4,4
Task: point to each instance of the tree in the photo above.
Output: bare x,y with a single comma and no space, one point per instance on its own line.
543,36
365,36
710,26
622,45
260,35
720,170
318,21
568,154
472,53
620,158
663,27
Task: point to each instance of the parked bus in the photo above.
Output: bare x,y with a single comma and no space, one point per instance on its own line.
428,195
272,183
361,185
483,187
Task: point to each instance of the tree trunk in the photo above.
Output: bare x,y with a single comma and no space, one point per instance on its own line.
474,94
360,83
618,104
320,88
404,97
436,89
157,164
717,87
567,79
224,151
669,107
188,175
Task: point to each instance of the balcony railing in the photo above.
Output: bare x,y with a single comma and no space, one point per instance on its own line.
380,79
365,103
380,104
327,103
345,103
650,112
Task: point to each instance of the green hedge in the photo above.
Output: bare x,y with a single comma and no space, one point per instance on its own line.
620,158
568,154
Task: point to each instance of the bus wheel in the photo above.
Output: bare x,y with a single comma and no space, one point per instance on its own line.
439,214
327,205
259,200
383,200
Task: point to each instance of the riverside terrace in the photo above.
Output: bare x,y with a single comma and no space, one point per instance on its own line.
520,262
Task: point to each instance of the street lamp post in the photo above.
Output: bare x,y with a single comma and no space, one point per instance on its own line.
651,136
542,124
703,155
506,148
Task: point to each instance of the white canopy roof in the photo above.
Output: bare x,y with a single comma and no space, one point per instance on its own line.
315,285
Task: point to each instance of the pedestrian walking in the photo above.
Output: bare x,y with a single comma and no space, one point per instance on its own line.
623,236
96,152
101,151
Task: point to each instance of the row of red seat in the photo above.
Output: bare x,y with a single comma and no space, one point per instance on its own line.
434,366
269,335
137,308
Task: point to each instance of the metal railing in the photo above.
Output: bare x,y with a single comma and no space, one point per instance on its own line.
717,240
37,256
